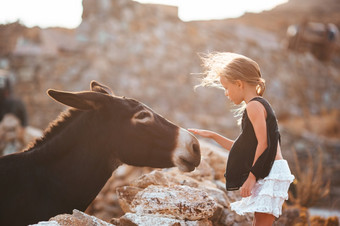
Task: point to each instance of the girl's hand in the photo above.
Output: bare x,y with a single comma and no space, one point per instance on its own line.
221,140
201,132
248,185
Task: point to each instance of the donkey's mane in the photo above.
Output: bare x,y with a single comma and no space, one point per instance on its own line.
61,122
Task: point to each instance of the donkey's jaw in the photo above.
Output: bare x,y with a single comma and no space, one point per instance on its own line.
186,155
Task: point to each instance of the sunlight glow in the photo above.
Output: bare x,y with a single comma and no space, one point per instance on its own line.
216,9
163,2
67,13
43,13
221,9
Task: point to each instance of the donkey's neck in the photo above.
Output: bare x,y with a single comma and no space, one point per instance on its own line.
75,158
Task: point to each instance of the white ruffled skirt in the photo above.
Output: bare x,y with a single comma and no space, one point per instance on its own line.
269,193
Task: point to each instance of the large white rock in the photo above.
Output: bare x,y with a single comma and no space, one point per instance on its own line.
147,220
178,201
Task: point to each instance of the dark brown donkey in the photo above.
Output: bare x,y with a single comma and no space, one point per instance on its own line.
67,168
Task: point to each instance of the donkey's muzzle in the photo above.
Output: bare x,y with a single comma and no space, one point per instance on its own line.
187,154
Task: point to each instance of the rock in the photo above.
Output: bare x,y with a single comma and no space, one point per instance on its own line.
217,214
218,195
216,157
332,221
126,195
156,177
203,172
47,223
147,220
293,215
167,177
171,196
164,194
175,177
181,202
77,218
107,204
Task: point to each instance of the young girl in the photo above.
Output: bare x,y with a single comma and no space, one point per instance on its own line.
255,164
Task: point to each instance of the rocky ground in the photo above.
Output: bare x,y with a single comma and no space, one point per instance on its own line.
146,52
170,197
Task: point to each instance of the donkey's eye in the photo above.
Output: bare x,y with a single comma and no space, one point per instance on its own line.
143,114
142,117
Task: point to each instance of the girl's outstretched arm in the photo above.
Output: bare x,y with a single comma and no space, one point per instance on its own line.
221,140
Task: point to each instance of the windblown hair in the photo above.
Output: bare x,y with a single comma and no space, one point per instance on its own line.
233,67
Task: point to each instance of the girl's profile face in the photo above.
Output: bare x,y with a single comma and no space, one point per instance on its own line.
232,90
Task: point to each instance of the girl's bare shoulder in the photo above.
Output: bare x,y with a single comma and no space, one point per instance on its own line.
255,109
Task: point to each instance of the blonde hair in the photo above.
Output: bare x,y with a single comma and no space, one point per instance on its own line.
233,67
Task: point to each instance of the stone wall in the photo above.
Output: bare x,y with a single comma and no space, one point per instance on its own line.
146,52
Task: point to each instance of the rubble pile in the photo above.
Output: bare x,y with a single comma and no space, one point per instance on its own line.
172,195
113,202
167,196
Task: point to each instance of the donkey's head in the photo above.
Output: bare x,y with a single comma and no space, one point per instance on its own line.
135,133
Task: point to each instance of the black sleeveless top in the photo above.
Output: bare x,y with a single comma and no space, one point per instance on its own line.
242,153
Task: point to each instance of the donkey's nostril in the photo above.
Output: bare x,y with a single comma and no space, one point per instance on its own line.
196,148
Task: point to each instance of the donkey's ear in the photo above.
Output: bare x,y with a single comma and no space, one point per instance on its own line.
81,100
97,87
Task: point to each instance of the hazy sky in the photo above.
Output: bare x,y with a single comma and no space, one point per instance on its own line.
217,9
67,13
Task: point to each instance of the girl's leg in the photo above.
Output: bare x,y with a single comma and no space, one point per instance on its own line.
263,219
